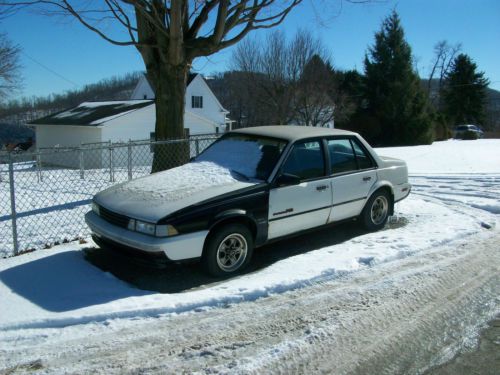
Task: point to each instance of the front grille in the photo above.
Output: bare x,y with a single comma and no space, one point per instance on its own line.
113,217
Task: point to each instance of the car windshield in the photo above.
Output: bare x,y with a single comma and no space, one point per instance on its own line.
248,157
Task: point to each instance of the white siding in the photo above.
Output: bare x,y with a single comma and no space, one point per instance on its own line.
65,135
139,124
48,136
212,109
134,125
198,125
143,90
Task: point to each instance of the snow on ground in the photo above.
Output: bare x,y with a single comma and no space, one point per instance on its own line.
452,156
52,209
58,287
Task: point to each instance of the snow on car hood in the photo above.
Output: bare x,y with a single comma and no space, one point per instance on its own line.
153,197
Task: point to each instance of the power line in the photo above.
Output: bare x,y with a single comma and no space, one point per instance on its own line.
50,70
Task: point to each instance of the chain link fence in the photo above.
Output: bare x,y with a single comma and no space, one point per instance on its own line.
45,195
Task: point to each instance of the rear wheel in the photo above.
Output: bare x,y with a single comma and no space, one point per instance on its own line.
228,250
376,211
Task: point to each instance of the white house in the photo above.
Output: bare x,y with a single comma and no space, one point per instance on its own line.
121,121
203,109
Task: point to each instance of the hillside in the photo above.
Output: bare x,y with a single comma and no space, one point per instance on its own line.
492,104
21,112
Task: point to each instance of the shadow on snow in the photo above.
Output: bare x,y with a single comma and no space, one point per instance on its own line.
64,282
177,278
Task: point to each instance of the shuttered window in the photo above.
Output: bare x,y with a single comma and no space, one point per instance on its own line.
196,101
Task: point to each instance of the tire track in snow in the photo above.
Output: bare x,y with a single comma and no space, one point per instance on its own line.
401,317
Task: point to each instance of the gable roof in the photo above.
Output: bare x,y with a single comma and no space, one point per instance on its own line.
190,78
93,113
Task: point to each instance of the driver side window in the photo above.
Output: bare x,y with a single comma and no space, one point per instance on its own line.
305,160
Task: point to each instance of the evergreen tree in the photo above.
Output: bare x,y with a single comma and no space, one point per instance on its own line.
465,92
394,98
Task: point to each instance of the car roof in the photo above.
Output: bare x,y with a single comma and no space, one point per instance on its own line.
292,133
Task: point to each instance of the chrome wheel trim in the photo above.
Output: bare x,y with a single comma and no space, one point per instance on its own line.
379,210
232,252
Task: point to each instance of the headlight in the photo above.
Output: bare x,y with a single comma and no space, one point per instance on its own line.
95,208
152,229
143,227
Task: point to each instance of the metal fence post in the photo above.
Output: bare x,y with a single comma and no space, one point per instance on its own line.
39,167
111,164
82,166
197,146
13,205
129,159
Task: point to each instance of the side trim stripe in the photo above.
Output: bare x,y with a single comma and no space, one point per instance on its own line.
316,209
351,201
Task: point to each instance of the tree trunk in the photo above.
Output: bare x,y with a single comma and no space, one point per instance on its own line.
170,89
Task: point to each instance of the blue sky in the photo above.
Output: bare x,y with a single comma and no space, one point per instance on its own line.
72,56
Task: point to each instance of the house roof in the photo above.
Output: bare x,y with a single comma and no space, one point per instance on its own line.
93,113
190,78
292,133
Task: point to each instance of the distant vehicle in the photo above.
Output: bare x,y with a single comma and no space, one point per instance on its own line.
250,187
468,132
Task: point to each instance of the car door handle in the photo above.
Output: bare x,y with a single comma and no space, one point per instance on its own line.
367,178
321,187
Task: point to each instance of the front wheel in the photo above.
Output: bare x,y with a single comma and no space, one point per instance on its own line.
376,211
228,250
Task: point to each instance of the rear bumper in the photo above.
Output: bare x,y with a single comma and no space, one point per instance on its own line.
401,191
176,248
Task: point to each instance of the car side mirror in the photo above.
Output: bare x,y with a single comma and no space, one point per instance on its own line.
287,179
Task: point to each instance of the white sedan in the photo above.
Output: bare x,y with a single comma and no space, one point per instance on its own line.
250,187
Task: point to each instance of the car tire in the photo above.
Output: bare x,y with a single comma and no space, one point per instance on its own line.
228,250
376,211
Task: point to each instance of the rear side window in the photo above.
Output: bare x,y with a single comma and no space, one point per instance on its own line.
342,158
347,155
305,160
364,161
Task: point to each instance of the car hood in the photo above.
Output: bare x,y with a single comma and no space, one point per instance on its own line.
153,197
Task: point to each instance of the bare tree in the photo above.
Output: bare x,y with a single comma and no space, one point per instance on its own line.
169,35
293,81
274,68
444,54
10,79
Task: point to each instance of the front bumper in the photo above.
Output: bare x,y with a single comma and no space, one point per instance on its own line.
176,248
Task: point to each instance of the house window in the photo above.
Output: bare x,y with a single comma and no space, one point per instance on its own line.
196,101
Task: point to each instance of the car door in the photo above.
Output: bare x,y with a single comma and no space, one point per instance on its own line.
353,174
304,205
